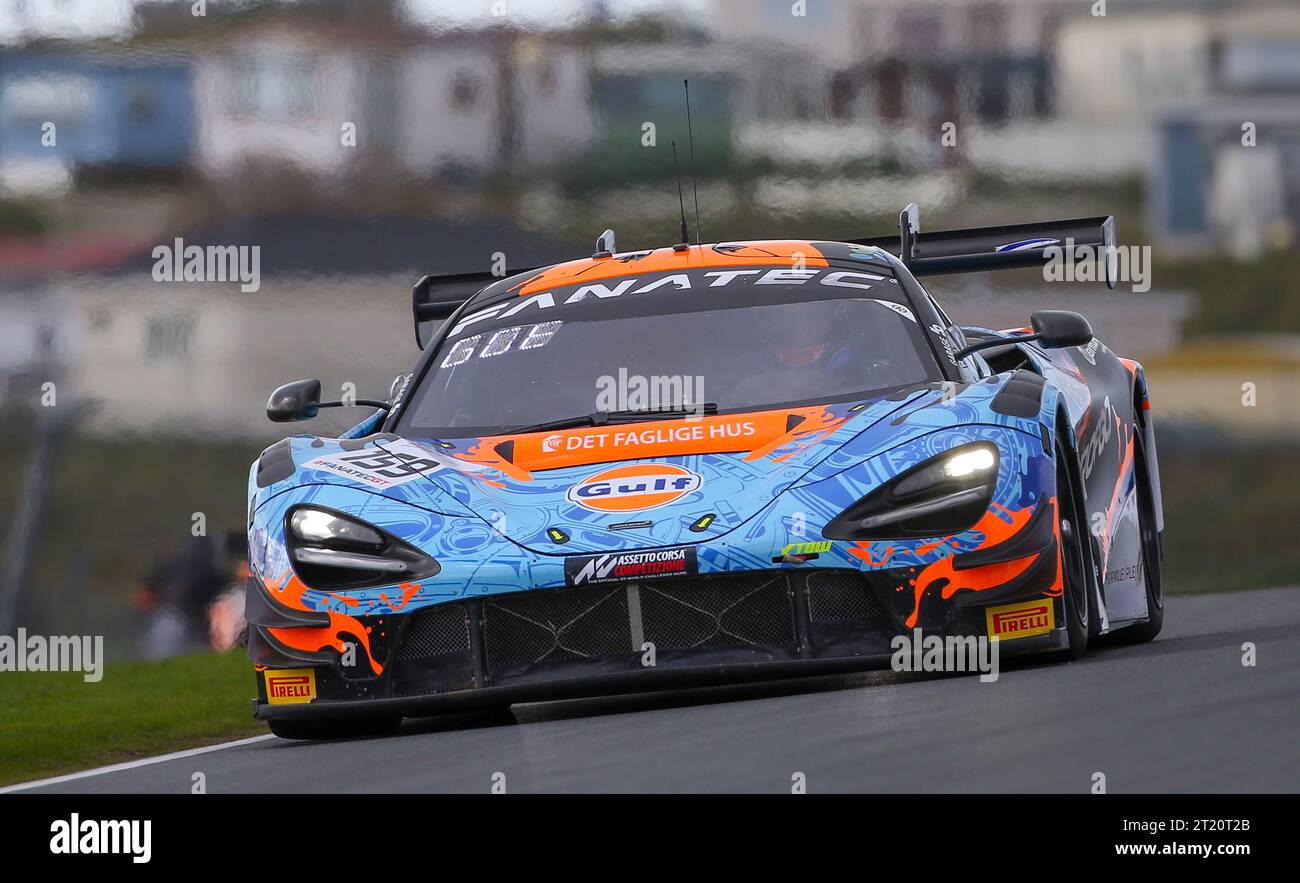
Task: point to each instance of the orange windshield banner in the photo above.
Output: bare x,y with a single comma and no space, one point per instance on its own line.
781,253
715,434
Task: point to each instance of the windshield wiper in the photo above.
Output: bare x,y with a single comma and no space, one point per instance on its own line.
604,418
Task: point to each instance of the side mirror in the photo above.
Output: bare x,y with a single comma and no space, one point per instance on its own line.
1053,329
299,400
1057,329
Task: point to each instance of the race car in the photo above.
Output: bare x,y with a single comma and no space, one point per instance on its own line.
701,464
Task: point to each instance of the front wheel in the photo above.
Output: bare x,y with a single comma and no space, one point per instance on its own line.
334,728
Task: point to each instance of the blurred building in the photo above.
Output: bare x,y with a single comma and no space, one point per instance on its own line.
24,20
1037,89
298,92
63,113
881,77
201,358
638,84
1227,166
39,332
492,100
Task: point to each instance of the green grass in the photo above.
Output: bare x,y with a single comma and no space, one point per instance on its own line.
54,723
1237,297
114,508
1230,519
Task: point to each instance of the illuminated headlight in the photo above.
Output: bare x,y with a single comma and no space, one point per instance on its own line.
968,462
322,526
945,495
331,550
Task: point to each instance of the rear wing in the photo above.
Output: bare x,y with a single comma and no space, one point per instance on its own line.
997,248
436,297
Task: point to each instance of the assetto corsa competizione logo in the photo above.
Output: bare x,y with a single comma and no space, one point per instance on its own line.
625,566
634,488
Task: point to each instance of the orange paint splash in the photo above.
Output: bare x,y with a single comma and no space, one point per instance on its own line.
862,551
408,591
1058,583
977,579
313,639
484,454
816,425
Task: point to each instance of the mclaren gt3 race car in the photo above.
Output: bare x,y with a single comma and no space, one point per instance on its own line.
830,463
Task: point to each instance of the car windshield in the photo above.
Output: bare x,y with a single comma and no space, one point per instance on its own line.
741,348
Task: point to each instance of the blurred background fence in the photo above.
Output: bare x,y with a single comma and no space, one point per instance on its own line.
361,144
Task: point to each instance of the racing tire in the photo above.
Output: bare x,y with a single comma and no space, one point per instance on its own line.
1152,553
334,728
1079,590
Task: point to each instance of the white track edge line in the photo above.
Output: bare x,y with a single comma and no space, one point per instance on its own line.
133,764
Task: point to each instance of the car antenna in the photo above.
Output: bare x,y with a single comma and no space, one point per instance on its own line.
690,134
686,233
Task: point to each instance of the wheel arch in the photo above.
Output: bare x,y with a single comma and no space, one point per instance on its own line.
1146,426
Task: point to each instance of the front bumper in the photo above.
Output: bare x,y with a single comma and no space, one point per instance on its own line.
630,637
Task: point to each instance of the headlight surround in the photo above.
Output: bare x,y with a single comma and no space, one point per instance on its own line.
332,551
945,495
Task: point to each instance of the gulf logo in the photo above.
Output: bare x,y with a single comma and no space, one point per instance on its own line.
633,488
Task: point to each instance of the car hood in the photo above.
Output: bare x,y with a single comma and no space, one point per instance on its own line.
631,486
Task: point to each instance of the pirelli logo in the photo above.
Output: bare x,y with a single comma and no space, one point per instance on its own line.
1023,620
291,686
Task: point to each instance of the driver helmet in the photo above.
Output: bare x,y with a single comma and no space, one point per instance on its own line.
803,334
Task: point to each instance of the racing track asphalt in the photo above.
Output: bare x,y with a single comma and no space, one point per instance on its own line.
1181,714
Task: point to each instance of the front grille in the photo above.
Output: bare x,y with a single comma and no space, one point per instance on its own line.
434,656
836,596
696,621
748,610
437,631
557,626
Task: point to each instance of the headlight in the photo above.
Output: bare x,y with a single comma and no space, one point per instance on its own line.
944,495
331,550
320,526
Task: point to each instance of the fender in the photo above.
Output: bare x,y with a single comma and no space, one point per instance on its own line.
1146,422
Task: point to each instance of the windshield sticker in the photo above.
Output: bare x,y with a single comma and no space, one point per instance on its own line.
860,280
780,434
897,308
949,348
500,342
